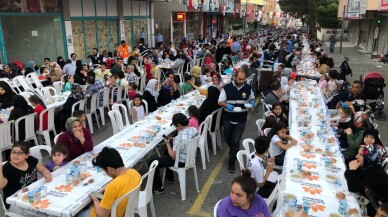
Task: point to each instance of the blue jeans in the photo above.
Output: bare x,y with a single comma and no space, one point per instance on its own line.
332,47
232,135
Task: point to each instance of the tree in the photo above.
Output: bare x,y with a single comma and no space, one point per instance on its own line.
327,15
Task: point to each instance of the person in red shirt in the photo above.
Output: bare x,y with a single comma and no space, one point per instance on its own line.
147,69
39,106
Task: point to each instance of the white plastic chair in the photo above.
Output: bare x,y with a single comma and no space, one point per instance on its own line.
198,62
105,104
216,208
80,105
216,134
266,131
123,110
92,111
260,124
267,113
188,69
29,129
240,157
50,125
247,145
219,68
131,105
32,78
6,135
145,196
202,142
119,95
20,81
5,211
36,152
56,138
48,92
274,195
142,82
179,73
266,107
117,121
26,95
133,198
59,86
191,146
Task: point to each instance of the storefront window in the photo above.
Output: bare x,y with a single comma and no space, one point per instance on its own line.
78,38
90,34
137,25
33,38
128,33
31,6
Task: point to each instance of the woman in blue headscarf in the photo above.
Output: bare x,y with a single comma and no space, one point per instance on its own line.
30,67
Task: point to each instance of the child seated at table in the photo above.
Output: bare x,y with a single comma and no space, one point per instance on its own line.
167,58
80,115
280,142
69,79
344,121
39,106
112,83
382,211
323,82
138,110
59,155
193,116
262,169
132,90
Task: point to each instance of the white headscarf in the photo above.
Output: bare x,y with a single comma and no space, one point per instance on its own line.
151,88
284,81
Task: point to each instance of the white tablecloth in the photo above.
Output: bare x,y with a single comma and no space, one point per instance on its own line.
320,185
66,201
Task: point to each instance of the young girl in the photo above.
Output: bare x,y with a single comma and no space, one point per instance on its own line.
275,116
278,135
132,90
286,86
194,116
323,82
69,80
39,106
138,110
59,155
21,170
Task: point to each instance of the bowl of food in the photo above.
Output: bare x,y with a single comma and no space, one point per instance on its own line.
237,109
288,197
340,195
247,105
318,150
331,178
334,215
296,177
353,212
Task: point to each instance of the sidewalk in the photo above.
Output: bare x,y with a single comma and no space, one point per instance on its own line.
361,63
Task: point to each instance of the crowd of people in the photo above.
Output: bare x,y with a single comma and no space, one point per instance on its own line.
278,50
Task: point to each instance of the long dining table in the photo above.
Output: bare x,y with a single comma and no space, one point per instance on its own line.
64,197
313,170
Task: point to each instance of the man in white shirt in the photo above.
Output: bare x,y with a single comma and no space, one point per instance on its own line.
258,167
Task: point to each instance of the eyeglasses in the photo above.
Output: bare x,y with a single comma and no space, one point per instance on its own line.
17,153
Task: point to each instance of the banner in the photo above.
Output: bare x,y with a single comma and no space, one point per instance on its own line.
353,10
363,6
384,5
255,2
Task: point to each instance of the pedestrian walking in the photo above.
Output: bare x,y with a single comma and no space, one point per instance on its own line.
332,43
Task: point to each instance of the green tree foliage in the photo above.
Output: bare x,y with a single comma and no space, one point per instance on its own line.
327,15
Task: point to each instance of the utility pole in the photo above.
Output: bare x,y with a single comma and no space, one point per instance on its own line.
342,27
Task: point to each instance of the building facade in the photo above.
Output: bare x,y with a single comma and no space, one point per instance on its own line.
367,23
35,29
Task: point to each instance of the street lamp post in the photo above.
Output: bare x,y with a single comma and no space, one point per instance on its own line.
342,28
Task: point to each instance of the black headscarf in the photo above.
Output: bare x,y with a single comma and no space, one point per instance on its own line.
20,103
374,133
6,98
210,104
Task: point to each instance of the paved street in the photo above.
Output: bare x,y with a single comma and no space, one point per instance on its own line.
215,181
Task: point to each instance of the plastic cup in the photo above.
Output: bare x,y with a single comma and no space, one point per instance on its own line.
306,206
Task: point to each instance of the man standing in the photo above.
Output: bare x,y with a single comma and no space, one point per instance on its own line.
96,57
332,43
142,35
123,51
123,182
232,98
158,39
69,69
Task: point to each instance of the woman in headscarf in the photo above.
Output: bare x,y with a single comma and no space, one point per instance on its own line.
80,73
366,171
21,108
355,134
168,92
210,104
77,139
61,62
30,67
151,94
6,95
8,72
64,113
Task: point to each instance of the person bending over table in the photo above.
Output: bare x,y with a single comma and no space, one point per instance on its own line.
124,181
278,135
168,92
262,169
209,105
185,133
6,95
76,138
21,108
235,94
367,171
20,171
243,201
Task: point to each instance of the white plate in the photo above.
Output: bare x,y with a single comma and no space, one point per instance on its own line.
247,105
237,109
